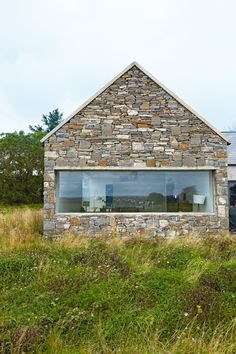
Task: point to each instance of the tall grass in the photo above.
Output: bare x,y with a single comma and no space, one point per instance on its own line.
20,228
114,295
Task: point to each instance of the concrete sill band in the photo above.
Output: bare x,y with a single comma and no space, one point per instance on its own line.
137,214
110,168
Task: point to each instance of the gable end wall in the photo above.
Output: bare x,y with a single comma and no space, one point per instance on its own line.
135,124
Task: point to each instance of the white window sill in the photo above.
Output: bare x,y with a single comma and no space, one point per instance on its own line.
121,168
139,214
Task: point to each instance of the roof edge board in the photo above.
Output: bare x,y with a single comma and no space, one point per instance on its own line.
134,63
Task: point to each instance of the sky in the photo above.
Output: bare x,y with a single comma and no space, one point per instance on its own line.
58,53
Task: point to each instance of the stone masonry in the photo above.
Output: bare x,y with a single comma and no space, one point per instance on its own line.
135,124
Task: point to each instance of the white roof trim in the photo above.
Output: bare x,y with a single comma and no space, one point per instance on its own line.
117,77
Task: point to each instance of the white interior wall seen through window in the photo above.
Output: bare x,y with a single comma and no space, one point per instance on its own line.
134,191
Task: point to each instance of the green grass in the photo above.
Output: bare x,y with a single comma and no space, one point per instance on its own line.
80,295
5,209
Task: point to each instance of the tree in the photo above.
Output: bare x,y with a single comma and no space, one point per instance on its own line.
21,168
49,121
21,162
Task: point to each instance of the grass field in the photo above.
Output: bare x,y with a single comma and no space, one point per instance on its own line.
130,295
6,209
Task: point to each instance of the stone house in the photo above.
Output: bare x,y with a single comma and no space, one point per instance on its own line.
135,158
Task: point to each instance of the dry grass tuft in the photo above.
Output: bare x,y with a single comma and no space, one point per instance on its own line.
222,341
24,227
20,229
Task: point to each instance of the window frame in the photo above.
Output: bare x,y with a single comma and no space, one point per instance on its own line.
154,169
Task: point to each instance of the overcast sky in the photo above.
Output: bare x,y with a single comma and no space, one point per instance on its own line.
58,53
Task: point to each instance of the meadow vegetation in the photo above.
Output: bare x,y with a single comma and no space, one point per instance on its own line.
112,295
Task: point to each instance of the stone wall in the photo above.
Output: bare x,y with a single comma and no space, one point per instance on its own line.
135,124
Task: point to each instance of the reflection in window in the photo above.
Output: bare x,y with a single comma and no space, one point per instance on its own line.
232,192
134,191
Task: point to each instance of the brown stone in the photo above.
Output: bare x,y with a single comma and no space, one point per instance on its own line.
50,213
51,198
145,105
151,163
68,143
75,126
75,221
194,128
143,125
142,232
102,163
183,146
136,121
166,163
221,154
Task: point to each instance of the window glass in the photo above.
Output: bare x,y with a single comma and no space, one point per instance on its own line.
69,191
232,192
134,191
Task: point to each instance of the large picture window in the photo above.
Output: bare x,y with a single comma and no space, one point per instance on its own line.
134,191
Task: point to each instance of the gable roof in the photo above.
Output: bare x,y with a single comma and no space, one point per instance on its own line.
117,77
231,135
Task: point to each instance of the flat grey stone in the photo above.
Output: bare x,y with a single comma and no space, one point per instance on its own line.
106,129
156,121
85,144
